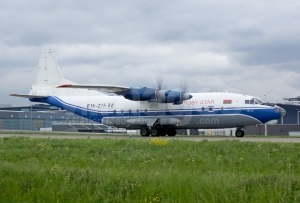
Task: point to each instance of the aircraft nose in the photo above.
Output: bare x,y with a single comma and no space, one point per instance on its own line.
281,110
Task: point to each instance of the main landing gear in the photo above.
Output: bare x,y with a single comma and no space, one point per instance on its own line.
239,133
144,132
155,132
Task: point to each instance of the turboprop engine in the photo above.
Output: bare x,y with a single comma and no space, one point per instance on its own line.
138,93
155,95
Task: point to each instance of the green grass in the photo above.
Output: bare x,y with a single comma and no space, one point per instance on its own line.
127,170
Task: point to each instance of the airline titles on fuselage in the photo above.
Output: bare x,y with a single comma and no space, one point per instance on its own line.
198,102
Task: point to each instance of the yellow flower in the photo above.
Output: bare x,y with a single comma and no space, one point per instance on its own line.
158,142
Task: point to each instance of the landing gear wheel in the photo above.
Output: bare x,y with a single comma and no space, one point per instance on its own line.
155,132
163,133
144,132
239,133
171,132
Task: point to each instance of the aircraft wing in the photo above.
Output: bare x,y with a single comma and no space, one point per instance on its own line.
101,88
29,96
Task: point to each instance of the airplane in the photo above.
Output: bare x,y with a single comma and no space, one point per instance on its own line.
293,100
153,111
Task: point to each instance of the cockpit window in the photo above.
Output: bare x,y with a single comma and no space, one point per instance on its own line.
259,101
253,101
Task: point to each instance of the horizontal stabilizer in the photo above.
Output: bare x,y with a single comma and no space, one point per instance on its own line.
101,88
29,96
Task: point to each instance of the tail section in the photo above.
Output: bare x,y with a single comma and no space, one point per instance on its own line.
48,72
49,77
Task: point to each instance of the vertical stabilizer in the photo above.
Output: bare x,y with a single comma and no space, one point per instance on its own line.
48,72
49,77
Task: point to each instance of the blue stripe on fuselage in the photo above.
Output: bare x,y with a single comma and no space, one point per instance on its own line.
263,114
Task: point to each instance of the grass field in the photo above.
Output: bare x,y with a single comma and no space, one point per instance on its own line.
150,170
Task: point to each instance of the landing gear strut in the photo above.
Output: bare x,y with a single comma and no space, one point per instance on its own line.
239,133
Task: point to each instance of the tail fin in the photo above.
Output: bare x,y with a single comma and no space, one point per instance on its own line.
49,72
49,77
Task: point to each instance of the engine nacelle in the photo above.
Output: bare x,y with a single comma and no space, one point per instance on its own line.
139,94
169,96
155,95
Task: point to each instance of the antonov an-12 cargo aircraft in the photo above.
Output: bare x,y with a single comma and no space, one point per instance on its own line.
154,111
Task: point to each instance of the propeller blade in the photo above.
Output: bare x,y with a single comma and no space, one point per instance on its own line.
159,83
183,86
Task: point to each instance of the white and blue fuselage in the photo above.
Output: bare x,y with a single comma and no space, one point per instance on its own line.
203,110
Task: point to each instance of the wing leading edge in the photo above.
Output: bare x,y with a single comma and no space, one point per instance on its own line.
28,96
101,88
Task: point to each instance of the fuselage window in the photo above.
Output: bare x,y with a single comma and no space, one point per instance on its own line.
145,110
251,101
137,110
222,108
122,111
115,111
203,108
129,110
247,102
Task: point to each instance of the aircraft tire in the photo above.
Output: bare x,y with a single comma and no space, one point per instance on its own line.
239,133
144,132
171,132
155,132
163,133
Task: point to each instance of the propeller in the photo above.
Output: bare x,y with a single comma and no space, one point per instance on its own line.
184,95
183,85
159,82
169,96
159,85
